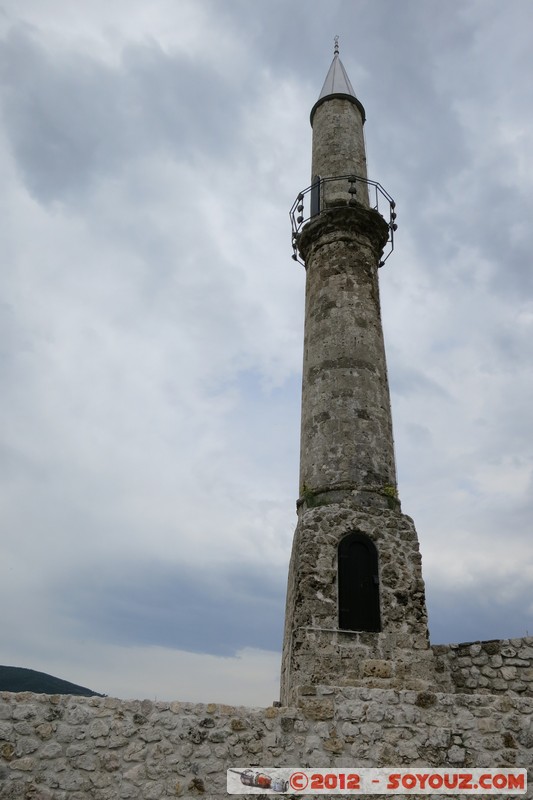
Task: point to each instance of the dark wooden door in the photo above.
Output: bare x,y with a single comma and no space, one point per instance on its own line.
358,584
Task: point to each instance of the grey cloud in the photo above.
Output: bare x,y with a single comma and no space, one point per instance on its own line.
407,381
151,604
287,37
481,220
418,434
72,119
480,612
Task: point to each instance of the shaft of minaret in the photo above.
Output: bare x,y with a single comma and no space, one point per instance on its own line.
346,433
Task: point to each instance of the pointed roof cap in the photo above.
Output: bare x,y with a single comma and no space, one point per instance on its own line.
337,80
337,84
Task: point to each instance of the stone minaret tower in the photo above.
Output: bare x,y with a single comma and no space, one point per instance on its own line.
356,611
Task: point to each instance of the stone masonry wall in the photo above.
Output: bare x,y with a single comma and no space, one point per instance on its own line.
71,748
492,667
315,650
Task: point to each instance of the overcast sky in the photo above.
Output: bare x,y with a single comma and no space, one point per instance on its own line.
151,322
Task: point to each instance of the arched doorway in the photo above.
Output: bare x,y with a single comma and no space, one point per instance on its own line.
358,584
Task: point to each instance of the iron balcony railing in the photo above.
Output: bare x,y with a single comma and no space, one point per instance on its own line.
327,193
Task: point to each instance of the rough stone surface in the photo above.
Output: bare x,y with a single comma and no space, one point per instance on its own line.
169,750
315,650
492,667
339,147
346,430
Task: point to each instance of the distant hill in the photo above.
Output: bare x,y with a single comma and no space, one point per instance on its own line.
19,679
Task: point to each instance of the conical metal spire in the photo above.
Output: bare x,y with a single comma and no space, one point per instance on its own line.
337,84
337,80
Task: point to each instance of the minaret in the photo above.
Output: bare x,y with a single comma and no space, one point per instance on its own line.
356,610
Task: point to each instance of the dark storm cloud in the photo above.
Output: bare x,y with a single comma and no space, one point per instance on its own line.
441,141
196,610
498,609
72,119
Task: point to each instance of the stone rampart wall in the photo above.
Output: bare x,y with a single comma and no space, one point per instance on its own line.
493,667
70,748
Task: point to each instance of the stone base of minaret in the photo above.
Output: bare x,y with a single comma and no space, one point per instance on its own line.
316,651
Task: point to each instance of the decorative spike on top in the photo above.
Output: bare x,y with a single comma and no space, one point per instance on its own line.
337,84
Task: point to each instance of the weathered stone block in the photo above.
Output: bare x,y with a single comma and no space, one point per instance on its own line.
317,709
6,731
377,668
508,673
26,764
7,751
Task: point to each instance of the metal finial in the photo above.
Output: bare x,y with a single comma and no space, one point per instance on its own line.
336,48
